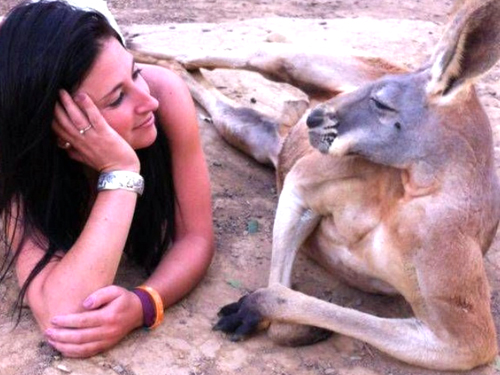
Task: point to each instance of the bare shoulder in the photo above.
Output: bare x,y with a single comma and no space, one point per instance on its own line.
164,83
176,111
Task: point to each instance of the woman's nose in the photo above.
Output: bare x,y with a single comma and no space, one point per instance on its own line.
148,103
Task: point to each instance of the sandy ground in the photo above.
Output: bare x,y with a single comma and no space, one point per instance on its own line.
188,11
244,198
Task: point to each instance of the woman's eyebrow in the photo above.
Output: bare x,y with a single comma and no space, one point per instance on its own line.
119,85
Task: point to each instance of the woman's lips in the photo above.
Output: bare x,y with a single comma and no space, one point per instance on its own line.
149,122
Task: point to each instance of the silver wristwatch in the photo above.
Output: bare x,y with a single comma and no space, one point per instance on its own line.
125,180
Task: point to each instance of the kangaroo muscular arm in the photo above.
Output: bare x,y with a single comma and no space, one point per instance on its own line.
294,222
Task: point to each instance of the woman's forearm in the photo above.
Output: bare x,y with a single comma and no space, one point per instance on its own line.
182,268
92,261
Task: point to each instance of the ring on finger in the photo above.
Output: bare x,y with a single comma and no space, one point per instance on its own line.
82,131
66,145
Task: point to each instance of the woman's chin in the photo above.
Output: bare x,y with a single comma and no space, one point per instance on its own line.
146,140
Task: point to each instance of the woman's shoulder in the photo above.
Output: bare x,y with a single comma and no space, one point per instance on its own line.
164,83
176,111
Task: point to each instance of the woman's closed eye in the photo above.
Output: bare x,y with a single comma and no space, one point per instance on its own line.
117,102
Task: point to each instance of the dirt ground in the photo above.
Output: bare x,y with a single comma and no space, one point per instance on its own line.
187,11
244,198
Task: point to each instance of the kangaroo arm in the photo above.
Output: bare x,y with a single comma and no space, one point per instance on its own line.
293,224
409,340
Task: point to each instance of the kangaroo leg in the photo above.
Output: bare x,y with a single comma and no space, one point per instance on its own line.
293,224
409,339
248,130
321,75
287,240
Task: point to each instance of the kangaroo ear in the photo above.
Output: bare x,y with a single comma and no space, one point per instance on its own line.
469,47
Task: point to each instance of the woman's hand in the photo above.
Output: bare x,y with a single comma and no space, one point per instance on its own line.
111,313
87,137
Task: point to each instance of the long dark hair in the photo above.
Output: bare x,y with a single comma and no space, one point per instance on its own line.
44,47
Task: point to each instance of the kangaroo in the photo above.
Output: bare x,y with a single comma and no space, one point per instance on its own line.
390,184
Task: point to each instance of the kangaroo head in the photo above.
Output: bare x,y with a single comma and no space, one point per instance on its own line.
401,119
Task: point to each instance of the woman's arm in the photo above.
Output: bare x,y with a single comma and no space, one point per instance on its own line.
91,263
191,253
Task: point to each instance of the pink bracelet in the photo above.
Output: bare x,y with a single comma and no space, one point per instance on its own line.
148,308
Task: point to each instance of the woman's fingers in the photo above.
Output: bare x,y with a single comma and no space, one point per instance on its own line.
74,336
76,116
72,350
76,119
64,128
112,314
91,111
103,296
80,320
60,118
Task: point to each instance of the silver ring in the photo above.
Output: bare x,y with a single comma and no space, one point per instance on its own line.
82,131
66,145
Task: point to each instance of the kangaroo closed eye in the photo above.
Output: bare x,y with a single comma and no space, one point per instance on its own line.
380,105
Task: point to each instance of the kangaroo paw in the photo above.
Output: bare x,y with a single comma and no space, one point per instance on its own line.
239,319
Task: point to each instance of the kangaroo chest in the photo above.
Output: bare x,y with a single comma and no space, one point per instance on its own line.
355,238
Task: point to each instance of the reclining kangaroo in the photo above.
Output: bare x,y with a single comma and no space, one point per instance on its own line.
402,196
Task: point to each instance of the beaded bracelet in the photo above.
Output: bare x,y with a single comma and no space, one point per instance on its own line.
152,305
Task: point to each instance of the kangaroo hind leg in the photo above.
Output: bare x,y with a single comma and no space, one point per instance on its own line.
257,134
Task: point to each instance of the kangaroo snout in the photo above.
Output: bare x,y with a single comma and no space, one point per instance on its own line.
319,115
315,118
323,128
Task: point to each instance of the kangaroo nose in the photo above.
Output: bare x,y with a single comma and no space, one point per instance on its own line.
315,118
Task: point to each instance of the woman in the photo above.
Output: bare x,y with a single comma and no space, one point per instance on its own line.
82,126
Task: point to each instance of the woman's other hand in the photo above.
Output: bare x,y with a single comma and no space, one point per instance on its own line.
87,137
111,313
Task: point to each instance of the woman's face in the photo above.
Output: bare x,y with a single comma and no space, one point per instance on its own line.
118,90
